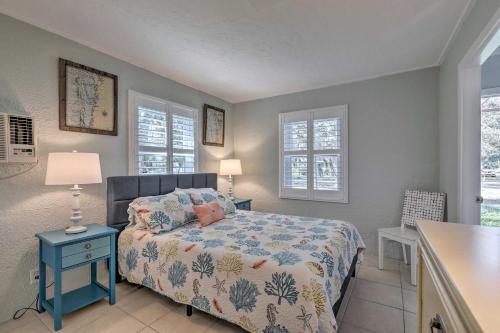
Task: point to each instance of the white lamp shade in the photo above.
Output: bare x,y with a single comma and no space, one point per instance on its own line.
230,167
73,168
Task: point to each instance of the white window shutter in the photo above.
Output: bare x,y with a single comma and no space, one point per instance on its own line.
313,154
162,136
294,165
183,140
330,152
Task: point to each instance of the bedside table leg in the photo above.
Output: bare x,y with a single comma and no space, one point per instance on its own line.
42,280
93,272
57,293
112,272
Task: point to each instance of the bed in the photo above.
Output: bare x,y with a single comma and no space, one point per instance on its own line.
262,271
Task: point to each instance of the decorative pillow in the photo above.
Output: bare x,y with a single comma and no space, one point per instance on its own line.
209,213
161,213
201,196
185,201
226,203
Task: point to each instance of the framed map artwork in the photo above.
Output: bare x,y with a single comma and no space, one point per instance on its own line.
87,99
213,126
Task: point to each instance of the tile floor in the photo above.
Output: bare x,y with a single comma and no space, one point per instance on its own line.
376,301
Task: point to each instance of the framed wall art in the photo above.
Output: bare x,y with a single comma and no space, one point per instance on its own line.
213,126
87,99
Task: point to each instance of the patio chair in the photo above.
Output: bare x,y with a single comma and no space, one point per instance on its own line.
418,205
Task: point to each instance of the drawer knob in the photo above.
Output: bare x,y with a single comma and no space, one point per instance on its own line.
88,246
88,256
436,324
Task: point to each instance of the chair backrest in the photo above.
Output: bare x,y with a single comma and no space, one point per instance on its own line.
421,205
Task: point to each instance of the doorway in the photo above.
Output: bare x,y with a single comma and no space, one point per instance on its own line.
477,187
490,142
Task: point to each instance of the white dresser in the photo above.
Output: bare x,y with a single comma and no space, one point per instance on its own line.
458,278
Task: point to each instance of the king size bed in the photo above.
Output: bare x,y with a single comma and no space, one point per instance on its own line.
262,271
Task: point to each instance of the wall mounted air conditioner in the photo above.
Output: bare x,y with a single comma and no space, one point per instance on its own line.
17,139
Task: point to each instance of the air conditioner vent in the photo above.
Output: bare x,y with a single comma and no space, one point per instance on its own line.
3,138
17,139
21,130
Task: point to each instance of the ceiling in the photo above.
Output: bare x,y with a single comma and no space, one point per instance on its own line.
241,50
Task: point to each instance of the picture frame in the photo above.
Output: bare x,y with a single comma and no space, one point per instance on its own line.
214,126
88,99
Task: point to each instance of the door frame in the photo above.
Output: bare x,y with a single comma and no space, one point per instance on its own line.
469,125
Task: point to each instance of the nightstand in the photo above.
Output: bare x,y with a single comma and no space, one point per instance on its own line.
243,204
63,252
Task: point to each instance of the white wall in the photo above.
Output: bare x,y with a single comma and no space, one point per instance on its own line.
448,105
393,145
29,84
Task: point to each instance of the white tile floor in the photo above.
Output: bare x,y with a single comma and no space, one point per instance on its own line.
377,301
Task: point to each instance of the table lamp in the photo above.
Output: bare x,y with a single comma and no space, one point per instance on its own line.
230,168
74,169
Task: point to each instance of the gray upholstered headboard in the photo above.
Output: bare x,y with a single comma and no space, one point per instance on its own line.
123,189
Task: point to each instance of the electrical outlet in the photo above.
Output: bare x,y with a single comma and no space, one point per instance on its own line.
34,276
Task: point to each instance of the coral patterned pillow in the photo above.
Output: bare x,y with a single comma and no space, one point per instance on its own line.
161,213
209,213
201,196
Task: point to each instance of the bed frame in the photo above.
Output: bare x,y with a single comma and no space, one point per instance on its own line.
121,190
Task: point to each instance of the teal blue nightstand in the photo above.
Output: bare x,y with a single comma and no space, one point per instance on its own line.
63,252
243,204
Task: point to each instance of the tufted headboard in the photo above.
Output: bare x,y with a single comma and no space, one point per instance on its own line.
123,189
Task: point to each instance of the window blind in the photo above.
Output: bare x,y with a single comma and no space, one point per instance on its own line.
151,141
183,144
313,154
162,138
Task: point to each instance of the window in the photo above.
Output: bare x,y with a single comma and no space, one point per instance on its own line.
162,136
313,154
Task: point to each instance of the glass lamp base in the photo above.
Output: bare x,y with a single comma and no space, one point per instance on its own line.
76,229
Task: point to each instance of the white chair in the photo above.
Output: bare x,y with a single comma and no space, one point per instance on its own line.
418,205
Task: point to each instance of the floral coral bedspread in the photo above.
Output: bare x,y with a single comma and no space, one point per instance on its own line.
264,272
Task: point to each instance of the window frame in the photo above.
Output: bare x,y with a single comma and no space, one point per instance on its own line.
135,99
310,194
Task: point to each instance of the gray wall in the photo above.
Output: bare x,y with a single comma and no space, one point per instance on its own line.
477,19
393,145
28,84
490,73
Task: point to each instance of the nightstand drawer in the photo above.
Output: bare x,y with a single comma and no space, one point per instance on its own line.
85,256
244,205
92,244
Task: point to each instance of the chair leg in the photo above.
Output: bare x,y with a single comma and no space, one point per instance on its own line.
414,264
404,253
380,252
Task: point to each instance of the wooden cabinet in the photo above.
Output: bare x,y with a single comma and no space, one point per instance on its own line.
433,312
458,290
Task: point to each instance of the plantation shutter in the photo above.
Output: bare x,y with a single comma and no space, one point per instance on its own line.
313,154
183,140
151,123
294,154
162,138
